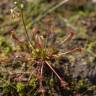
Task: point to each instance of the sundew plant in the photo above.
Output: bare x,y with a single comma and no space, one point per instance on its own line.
37,64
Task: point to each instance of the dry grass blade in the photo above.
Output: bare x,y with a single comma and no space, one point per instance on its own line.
49,11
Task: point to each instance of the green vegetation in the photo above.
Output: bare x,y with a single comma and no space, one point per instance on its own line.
43,46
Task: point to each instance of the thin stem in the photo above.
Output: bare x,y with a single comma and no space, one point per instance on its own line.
69,37
68,52
26,32
54,71
42,69
41,74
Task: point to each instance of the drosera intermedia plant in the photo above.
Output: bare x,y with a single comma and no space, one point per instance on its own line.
42,57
